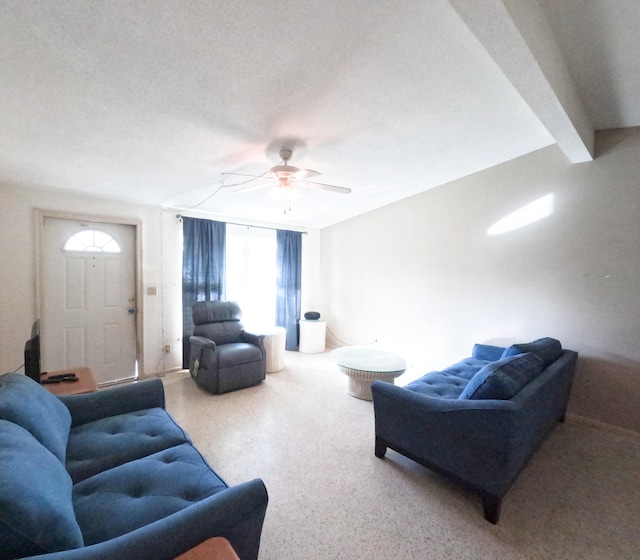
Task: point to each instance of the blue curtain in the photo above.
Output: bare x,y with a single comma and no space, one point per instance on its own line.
203,270
288,284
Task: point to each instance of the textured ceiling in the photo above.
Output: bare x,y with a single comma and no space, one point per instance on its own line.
152,102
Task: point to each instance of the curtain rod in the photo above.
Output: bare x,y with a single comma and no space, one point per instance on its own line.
180,216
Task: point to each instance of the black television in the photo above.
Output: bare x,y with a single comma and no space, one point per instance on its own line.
32,354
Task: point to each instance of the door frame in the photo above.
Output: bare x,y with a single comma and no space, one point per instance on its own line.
41,214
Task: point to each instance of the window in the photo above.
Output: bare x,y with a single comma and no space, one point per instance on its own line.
92,240
251,273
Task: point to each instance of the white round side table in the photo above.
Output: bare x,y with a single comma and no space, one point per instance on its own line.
274,343
363,366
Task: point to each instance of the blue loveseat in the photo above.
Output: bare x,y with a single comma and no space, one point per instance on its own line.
479,420
110,475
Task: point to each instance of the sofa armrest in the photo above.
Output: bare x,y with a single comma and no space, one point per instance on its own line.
236,514
487,352
111,402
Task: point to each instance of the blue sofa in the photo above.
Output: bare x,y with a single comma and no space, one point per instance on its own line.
479,420
110,475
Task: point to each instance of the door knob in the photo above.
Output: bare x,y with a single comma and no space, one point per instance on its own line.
131,311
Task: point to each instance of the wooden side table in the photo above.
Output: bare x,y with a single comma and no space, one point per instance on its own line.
217,548
85,384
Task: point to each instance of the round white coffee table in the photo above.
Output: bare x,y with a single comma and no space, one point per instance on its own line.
362,365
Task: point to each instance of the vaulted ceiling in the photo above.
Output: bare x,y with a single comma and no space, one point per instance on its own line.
156,102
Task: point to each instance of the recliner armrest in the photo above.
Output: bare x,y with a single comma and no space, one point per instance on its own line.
202,342
111,402
255,339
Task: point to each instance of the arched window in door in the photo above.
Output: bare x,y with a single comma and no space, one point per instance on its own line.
92,240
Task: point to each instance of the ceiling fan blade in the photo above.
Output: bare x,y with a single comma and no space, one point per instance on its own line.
306,173
325,187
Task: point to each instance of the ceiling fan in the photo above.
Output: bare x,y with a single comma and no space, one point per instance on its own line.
285,179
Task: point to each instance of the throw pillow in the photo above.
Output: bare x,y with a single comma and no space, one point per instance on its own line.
549,349
28,404
504,378
36,508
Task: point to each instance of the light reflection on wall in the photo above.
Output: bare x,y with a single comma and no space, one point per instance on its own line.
528,214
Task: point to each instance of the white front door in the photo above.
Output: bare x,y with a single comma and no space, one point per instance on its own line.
87,294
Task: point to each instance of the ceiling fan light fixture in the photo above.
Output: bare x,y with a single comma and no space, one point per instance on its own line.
284,170
285,194
286,178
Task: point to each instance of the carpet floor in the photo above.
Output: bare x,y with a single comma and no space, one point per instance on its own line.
331,498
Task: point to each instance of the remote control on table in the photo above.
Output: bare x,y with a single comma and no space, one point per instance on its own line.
62,375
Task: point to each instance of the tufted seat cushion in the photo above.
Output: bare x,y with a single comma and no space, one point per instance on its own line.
449,383
135,494
106,443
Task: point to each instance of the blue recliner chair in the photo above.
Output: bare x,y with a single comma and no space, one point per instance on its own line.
224,357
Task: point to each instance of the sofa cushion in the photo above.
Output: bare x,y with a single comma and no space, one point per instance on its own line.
112,441
487,352
504,378
549,349
438,384
142,491
449,383
28,404
36,509
466,368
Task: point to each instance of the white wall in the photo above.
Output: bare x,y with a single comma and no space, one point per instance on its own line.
422,275
310,293
161,266
18,277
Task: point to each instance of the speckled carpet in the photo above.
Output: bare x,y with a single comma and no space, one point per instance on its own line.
331,498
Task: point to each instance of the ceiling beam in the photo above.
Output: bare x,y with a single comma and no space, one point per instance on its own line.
518,38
